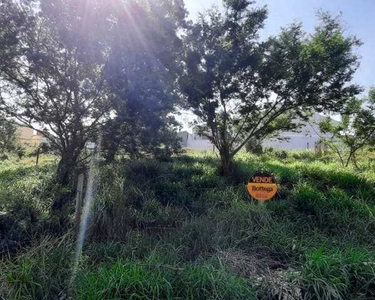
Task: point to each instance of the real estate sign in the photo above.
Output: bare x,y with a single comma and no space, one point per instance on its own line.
262,186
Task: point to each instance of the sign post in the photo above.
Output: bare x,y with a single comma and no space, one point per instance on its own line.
262,186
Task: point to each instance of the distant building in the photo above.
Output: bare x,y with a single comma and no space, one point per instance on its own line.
29,138
195,141
184,137
307,138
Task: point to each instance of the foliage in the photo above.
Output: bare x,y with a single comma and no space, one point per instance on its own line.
68,67
154,136
355,131
241,88
254,146
142,72
52,73
7,135
41,273
26,195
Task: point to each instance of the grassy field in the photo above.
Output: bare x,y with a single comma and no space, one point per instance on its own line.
177,230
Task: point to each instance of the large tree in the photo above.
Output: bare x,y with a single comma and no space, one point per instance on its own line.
142,75
52,72
242,88
68,67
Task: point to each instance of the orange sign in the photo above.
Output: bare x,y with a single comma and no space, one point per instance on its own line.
262,186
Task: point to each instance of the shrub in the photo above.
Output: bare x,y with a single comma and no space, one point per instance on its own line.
303,155
307,199
237,226
281,154
160,230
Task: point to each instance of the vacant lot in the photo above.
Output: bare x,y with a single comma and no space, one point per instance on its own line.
177,230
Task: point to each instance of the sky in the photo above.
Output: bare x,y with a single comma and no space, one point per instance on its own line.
358,17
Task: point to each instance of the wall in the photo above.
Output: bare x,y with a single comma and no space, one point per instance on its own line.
306,139
197,144
184,136
295,142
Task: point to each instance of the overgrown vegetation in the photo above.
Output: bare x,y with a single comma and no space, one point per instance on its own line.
355,132
160,226
71,70
167,230
242,88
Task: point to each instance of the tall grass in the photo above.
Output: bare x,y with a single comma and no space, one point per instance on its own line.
177,230
132,280
42,271
338,274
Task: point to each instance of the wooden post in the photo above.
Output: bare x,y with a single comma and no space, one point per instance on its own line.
37,155
79,198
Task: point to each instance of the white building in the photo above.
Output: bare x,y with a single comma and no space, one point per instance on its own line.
194,141
307,138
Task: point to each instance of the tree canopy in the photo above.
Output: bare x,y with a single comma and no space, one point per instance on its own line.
53,77
68,67
142,74
77,69
355,131
241,87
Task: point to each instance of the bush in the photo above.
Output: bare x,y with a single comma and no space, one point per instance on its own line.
122,205
239,226
21,152
335,212
281,154
304,155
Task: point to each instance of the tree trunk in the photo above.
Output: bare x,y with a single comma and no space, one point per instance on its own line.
65,175
354,160
349,159
65,168
226,167
110,155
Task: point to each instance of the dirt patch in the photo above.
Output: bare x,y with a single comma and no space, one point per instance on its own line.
274,280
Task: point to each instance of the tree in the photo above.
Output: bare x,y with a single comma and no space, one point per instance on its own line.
142,74
52,72
241,88
70,66
140,136
7,135
355,131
